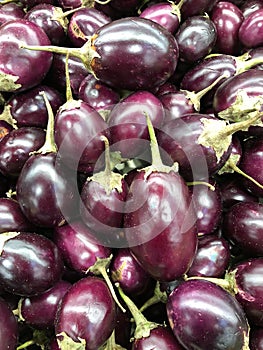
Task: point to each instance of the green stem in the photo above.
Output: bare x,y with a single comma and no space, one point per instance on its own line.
69,95
25,345
239,171
243,125
7,117
100,268
194,183
158,297
244,64
49,145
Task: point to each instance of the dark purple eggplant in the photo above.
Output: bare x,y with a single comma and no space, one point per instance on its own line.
127,122
166,14
11,217
256,338
29,263
204,316
251,6
16,147
250,32
39,311
196,38
47,198
212,257
28,108
159,218
242,225
130,275
9,331
83,23
32,67
227,18
98,95
51,19
196,7
86,315
10,11
150,63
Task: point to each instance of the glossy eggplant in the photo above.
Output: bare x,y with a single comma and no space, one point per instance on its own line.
250,31
9,331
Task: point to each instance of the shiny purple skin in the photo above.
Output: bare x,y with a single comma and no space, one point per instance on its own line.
30,264
128,125
8,327
159,338
10,11
12,218
250,81
242,225
28,108
78,246
251,32
227,18
256,338
212,257
249,283
232,191
204,316
251,163
30,3
69,4
33,65
102,212
88,312
159,219
45,192
15,149
78,132
45,16
162,13
151,61
205,72
179,139
84,23
196,7
126,270
196,38
208,208
176,104
98,95
251,6
39,311
56,76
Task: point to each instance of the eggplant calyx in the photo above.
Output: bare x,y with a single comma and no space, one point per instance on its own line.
8,82
176,9
157,297
65,342
242,107
143,326
157,164
111,344
4,237
7,117
230,164
61,18
107,178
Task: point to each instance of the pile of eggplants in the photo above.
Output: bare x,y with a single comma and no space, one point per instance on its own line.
131,175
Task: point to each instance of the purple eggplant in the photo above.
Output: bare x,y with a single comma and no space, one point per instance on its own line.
9,331
150,63
196,7
159,218
250,31
39,311
47,198
86,315
227,18
83,23
12,218
127,122
30,263
51,19
204,316
10,11
130,275
250,6
196,38
256,338
212,258
166,14
16,147
242,225
28,107
32,67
